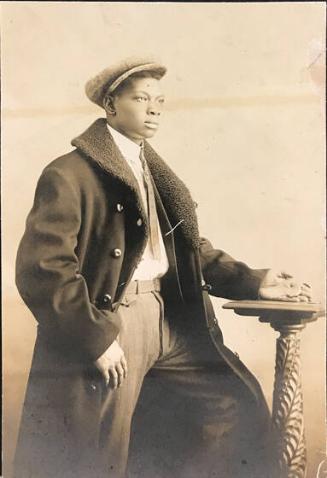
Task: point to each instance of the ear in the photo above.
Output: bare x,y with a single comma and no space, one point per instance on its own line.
108,104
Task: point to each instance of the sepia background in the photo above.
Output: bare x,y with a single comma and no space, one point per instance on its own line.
243,127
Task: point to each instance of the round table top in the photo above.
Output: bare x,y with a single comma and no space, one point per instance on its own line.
261,307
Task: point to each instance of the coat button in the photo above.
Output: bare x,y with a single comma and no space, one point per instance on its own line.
120,207
116,252
107,298
139,222
207,287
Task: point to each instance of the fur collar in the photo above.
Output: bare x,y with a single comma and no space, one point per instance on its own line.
97,143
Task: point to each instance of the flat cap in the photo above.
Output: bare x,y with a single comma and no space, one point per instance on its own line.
110,78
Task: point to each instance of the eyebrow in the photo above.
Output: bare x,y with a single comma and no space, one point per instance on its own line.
147,94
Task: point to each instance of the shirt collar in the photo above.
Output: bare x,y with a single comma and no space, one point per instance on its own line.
129,149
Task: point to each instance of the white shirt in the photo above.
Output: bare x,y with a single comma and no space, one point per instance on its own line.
149,268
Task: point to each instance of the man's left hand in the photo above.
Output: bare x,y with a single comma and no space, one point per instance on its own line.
281,285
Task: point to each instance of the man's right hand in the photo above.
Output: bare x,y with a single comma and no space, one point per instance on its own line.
112,365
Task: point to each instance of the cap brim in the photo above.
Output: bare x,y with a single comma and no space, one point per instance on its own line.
154,67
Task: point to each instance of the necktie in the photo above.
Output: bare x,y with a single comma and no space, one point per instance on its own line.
152,212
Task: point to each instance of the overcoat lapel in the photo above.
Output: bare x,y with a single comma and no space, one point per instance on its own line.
97,143
174,195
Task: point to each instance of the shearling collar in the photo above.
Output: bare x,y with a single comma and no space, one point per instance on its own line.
97,143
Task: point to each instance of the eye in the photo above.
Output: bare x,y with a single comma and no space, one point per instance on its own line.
140,99
161,101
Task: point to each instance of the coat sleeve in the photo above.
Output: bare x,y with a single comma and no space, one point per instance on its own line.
47,269
227,277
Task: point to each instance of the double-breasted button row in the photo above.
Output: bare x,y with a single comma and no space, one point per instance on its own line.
120,208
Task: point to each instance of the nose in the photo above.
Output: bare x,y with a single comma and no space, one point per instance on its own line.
154,109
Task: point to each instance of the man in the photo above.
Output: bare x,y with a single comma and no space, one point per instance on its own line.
114,270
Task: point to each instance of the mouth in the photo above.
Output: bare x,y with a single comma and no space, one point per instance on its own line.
151,124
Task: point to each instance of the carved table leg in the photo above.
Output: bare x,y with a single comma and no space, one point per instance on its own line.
287,411
288,318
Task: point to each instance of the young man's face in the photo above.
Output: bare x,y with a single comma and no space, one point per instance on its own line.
137,109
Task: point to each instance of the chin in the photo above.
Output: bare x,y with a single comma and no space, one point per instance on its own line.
149,133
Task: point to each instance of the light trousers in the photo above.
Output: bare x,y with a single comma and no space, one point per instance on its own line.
181,412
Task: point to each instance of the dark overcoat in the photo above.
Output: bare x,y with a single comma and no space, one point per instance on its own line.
84,237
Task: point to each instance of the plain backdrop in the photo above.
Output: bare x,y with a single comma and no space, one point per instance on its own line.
243,127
